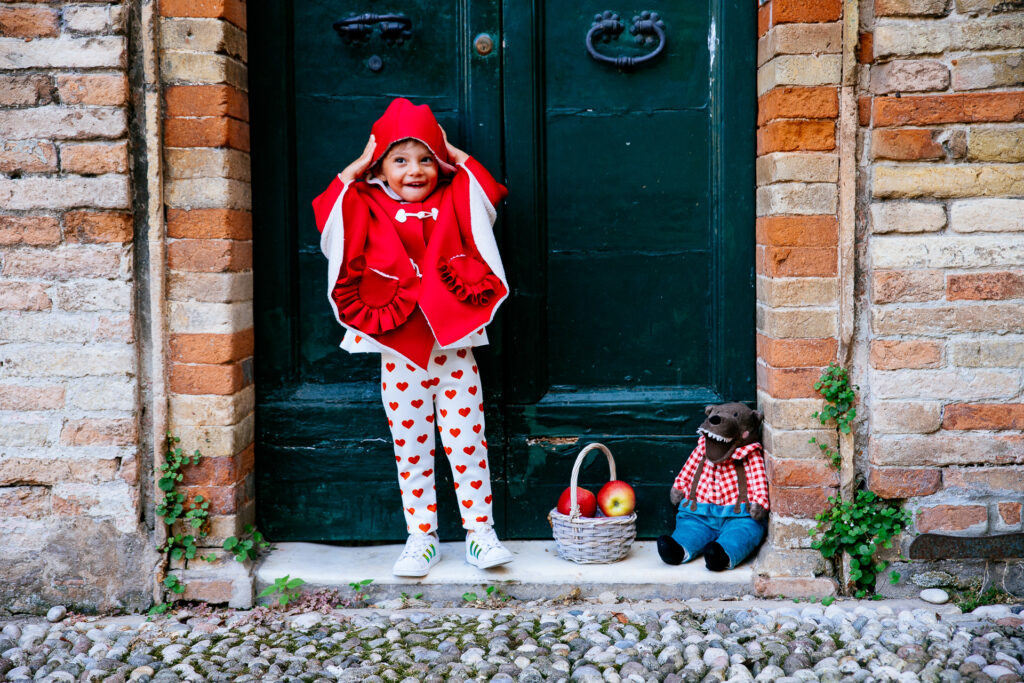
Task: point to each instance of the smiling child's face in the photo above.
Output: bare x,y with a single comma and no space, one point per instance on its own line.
410,170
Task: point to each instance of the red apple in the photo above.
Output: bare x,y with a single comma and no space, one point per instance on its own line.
584,498
616,499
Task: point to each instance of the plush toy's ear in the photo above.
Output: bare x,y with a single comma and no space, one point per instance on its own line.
759,415
708,409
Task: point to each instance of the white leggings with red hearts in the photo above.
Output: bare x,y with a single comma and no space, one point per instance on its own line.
452,383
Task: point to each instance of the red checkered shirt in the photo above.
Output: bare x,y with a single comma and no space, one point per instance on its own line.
717,483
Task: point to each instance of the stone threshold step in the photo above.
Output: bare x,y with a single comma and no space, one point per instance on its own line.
536,573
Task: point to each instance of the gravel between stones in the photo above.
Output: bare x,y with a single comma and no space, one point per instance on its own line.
634,641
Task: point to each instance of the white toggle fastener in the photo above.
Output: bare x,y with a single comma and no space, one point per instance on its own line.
403,215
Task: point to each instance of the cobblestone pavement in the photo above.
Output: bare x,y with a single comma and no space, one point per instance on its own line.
631,641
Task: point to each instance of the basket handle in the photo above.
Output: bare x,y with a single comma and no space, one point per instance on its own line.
574,507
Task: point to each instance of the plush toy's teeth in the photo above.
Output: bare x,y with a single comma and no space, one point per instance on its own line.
714,436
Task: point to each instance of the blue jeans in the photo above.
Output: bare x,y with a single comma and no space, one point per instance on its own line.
737,532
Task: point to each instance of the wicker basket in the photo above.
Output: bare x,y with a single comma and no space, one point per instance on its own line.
591,540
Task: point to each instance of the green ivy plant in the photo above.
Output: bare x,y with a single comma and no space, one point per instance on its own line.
859,528
834,386
285,588
248,546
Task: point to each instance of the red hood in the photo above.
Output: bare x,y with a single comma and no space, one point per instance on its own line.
402,120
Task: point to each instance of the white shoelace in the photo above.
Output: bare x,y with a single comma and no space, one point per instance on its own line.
486,539
416,546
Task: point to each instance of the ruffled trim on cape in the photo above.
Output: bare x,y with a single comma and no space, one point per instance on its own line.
372,302
469,279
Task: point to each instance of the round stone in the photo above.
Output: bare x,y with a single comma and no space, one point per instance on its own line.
56,613
936,596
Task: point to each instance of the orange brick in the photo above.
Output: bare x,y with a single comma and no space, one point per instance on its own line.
986,286
206,100
951,517
904,482
22,296
797,102
788,382
865,48
1010,513
35,231
92,159
222,380
98,226
222,471
212,348
209,131
805,11
764,18
27,156
209,256
223,500
99,432
799,502
983,416
798,231
789,472
93,89
791,135
29,22
209,224
797,261
232,10
890,354
906,144
891,286
796,353
864,110
16,397
924,110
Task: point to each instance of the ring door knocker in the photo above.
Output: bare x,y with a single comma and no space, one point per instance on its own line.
395,29
647,29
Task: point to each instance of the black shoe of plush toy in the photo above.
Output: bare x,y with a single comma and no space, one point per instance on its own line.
671,552
715,558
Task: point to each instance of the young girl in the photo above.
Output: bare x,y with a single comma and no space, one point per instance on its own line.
414,274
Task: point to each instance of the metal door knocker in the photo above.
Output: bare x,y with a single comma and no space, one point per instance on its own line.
395,29
647,29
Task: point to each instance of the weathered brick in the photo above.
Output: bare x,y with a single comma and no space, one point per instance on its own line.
807,70
37,231
47,471
975,72
992,285
797,198
795,587
903,75
798,231
787,382
894,354
805,291
24,432
984,478
103,393
224,471
23,296
798,103
89,20
906,144
789,472
926,110
94,159
212,348
997,416
996,144
203,35
30,89
212,287
212,410
788,135
232,10
953,319
991,180
201,193
209,318
790,353
805,11
795,39
205,162
956,384
64,192
987,215
29,397
993,33
27,156
865,48
911,38
206,100
209,131
94,295
98,226
988,353
99,89
31,502
807,167
99,432
225,224
907,217
891,286
202,68
903,482
62,123
925,251
906,417
789,413
864,110
63,263
911,8
29,22
64,327
972,518
797,323
777,561
1010,513
799,502
64,52
209,255
796,444
207,379
223,500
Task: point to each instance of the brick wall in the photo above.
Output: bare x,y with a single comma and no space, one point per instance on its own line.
941,187
70,469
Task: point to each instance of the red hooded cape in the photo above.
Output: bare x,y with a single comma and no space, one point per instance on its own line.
407,274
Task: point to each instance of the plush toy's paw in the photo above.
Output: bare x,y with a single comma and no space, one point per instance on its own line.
670,551
758,513
715,558
675,495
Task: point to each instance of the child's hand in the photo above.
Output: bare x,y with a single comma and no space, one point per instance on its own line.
456,155
358,167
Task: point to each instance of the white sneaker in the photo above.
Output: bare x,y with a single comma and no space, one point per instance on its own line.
484,550
421,552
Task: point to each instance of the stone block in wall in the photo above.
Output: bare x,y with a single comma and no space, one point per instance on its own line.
24,432
94,89
217,441
907,217
953,519
795,444
797,323
812,291
67,360
205,162
23,296
28,89
789,413
27,156
995,144
945,385
797,198
988,353
906,417
912,8
34,231
212,287
203,35
212,410
984,479
795,587
1006,516
906,144
198,193
975,72
943,449
65,192
65,263
83,328
992,416
107,393
985,286
909,75
904,482
807,70
910,181
992,33
64,52
908,38
807,167
789,532
779,562
802,503
99,432
194,317
946,320
900,286
30,502
15,396
896,354
955,251
93,295
94,159
209,255
83,19
203,67
987,215
62,123
800,38
29,22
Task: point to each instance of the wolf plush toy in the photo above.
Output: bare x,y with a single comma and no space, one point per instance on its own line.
722,492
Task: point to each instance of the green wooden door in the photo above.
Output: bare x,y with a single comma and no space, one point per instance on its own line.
627,237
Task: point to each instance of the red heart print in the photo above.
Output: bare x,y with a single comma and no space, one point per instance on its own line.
358,339
476,371
447,450
412,368
402,386
455,431
437,380
414,459
412,511
408,423
427,473
483,463
417,403
482,518
456,485
476,484
450,393
405,475
467,503
460,468
417,492
424,527
484,443
444,413
430,418
422,438
390,367
468,450
427,383
431,452
401,492
457,374
477,428
432,507
398,458
481,406
487,500
440,359
399,442
384,386
464,411
393,405
461,353
472,390
390,423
